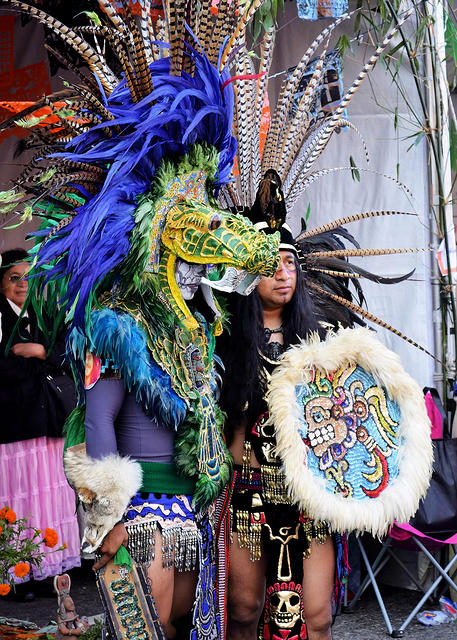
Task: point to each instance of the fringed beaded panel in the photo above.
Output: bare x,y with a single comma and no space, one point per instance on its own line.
174,518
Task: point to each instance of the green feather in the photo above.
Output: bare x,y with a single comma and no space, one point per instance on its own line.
74,430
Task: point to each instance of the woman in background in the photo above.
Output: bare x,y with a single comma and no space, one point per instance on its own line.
31,443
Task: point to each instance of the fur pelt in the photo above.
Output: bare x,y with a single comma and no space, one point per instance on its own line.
105,488
400,499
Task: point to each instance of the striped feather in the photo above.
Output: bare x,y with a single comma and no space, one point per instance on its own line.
142,73
363,253
216,42
289,88
238,34
330,226
266,58
312,131
355,308
163,35
296,130
333,121
335,273
244,99
292,192
114,17
78,44
205,25
145,23
176,17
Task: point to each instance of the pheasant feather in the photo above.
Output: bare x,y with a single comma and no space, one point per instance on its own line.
330,226
355,308
83,48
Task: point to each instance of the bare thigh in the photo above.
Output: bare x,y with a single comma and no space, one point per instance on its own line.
184,593
162,583
246,593
318,580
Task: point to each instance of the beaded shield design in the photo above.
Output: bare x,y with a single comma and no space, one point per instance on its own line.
352,432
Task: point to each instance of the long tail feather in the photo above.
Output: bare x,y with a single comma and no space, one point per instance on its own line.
354,218
266,58
290,86
303,181
361,273
363,253
333,121
83,48
249,11
295,132
355,308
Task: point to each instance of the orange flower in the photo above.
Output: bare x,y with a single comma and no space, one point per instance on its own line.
3,512
21,569
50,537
4,589
10,516
1,529
214,11
64,546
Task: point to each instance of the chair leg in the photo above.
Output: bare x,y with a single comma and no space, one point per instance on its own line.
378,564
443,574
409,573
372,576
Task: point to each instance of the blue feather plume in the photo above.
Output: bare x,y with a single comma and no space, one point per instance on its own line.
179,112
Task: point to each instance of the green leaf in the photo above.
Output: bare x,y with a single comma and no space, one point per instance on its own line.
256,26
343,45
451,39
268,22
308,211
354,171
417,138
453,146
92,16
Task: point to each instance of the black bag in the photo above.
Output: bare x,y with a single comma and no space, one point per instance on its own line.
61,397
437,513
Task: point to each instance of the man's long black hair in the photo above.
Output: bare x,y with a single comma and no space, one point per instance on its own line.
240,348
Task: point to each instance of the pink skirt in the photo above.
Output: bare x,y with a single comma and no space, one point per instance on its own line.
33,483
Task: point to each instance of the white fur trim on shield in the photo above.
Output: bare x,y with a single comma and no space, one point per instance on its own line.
105,487
400,499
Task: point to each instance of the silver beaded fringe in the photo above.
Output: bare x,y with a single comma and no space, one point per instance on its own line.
179,546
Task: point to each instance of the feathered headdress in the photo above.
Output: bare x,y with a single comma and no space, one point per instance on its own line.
275,173
100,141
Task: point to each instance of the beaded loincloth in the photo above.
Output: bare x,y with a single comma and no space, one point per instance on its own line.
174,517
261,523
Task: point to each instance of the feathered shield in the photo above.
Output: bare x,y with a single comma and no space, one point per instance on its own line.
352,432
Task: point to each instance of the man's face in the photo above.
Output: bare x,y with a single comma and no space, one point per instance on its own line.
188,277
277,291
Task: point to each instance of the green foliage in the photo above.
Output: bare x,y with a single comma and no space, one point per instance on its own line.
94,632
265,17
451,49
354,171
74,430
343,44
20,544
453,145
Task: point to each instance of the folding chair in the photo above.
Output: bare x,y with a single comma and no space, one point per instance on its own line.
398,535
406,535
